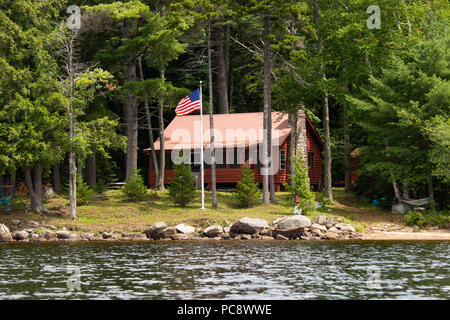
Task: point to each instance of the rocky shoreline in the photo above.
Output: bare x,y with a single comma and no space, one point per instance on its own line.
288,228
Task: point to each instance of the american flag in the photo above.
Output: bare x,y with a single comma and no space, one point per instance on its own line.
188,104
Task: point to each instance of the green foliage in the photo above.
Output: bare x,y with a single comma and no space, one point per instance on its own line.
134,188
182,185
301,185
247,189
84,192
427,218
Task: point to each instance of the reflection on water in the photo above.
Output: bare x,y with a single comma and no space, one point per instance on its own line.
226,270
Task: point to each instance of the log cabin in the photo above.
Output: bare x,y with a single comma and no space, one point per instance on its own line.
238,141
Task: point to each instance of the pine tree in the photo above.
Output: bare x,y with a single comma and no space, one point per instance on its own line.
300,184
247,189
182,186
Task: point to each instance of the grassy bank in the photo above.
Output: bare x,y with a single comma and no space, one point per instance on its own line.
119,214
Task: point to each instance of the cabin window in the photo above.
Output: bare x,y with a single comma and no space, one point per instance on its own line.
195,161
282,159
220,159
168,162
235,158
310,159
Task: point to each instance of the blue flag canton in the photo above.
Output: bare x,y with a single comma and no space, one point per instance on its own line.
194,95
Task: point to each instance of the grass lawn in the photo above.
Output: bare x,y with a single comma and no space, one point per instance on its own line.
119,214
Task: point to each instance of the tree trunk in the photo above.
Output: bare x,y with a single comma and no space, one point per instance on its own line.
80,169
328,192
211,123
91,170
130,109
150,131
56,178
347,156
36,200
395,186
132,120
162,154
222,85
430,188
292,148
264,161
73,186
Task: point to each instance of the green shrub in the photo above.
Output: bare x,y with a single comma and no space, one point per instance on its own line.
134,188
84,192
301,185
100,187
247,189
415,218
427,218
182,185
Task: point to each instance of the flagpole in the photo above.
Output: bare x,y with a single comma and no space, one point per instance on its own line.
202,171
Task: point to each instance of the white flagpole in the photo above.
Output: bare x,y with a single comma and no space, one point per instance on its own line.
202,172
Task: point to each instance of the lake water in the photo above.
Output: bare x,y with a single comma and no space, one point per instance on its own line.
225,270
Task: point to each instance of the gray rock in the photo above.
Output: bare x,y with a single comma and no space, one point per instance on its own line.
88,236
246,237
345,227
294,222
51,227
322,219
318,227
139,237
225,236
5,237
317,232
168,232
266,232
30,224
334,229
74,237
227,229
4,228
213,231
155,230
63,234
249,225
266,238
281,237
290,233
20,235
181,236
34,237
185,229
49,235
277,221
331,235
15,222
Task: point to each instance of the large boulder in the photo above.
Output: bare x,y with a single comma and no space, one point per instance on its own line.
30,224
290,233
345,227
322,219
213,231
4,228
5,237
185,229
249,225
49,235
155,230
316,226
20,235
165,233
297,221
63,234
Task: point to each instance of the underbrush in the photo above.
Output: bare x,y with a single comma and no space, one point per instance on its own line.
428,218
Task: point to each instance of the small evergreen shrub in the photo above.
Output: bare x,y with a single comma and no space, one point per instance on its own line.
134,188
301,185
84,192
182,185
247,189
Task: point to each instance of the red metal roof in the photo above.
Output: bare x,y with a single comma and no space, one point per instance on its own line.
230,129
